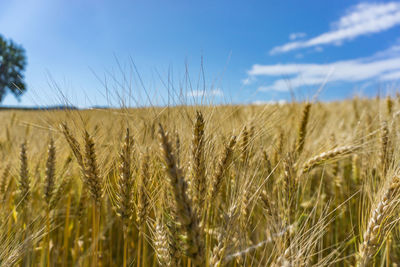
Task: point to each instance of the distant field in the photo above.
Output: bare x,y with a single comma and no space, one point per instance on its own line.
298,184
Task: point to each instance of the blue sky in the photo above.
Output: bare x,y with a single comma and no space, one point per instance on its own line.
97,52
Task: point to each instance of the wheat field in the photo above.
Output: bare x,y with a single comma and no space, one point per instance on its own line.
296,184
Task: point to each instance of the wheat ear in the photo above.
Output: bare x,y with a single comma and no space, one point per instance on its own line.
24,180
378,224
224,236
124,197
143,199
244,145
163,245
301,134
198,175
188,222
222,168
389,104
325,156
4,180
50,172
92,177
74,145
384,148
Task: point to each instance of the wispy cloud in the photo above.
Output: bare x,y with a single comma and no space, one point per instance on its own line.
248,80
395,75
205,93
356,70
297,35
362,19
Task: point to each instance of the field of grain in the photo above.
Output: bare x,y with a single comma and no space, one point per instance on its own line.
299,184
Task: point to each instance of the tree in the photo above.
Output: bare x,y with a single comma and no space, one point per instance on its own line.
12,66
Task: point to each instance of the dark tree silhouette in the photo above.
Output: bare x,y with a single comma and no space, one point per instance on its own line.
12,66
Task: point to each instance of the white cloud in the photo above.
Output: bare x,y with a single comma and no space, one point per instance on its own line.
363,19
205,93
356,70
299,56
248,80
395,75
318,49
365,85
297,35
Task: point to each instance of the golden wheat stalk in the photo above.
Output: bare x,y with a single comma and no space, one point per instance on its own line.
92,177
301,134
222,168
325,156
143,198
198,171
124,196
161,245
389,105
384,142
4,180
379,222
50,172
188,222
24,180
74,145
59,192
224,236
244,144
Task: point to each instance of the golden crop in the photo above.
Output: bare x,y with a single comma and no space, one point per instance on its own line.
299,184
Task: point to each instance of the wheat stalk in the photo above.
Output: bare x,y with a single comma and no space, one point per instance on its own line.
325,156
384,142
301,134
124,196
50,172
198,181
188,223
92,177
24,180
379,222
222,168
143,199
4,180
